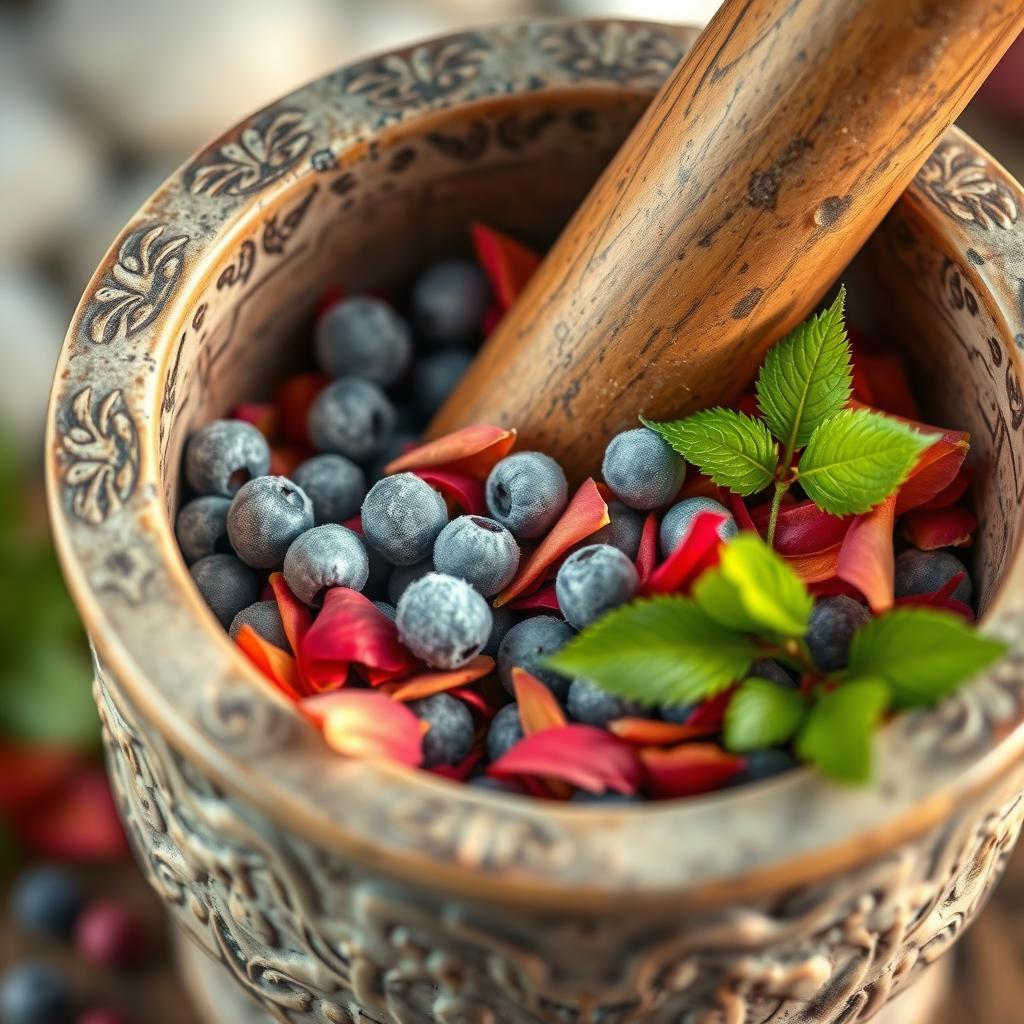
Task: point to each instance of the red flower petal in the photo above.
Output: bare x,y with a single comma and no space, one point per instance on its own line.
285,458
276,665
478,701
697,551
954,491
461,771
508,264
472,450
586,513
492,317
429,683
650,732
368,725
935,471
933,528
545,599
459,490
295,616
292,401
647,553
688,769
711,712
941,598
351,630
261,415
31,774
538,709
803,528
330,297
582,755
880,379
738,507
866,559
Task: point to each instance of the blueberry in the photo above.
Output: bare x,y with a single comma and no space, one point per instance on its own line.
227,585
202,527
678,714
223,455
581,796
434,378
642,470
503,619
398,444
351,417
47,901
387,609
402,575
267,514
449,301
771,670
402,516
380,573
924,572
34,993
589,704
479,551
763,764
623,531
592,581
335,485
528,644
443,621
833,622
363,337
264,618
322,558
495,785
505,731
450,736
679,519
527,492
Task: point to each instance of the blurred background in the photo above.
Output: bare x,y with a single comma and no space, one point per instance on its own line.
99,101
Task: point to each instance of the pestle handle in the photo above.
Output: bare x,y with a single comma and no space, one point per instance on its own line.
775,148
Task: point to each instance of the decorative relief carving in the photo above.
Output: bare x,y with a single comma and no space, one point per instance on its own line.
966,186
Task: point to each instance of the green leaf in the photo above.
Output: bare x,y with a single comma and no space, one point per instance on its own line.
735,450
762,714
857,459
838,731
661,651
754,591
924,654
806,377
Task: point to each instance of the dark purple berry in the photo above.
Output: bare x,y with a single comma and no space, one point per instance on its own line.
528,644
526,493
494,785
202,527
46,901
679,521
763,764
592,581
351,417
581,796
450,736
773,672
678,714
833,622
227,585
335,485
402,575
642,470
267,514
34,993
505,731
325,557
434,378
623,531
479,551
402,516
589,704
449,301
380,573
223,455
363,337
924,572
264,619
443,621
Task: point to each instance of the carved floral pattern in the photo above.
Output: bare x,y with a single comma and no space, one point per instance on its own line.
137,285
101,451
613,51
967,187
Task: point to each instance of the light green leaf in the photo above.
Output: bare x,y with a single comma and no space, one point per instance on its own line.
857,459
762,714
924,654
661,651
735,450
837,733
753,590
806,377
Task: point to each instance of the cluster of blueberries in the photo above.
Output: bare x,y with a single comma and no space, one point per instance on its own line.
431,574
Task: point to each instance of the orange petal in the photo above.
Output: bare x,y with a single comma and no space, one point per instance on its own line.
866,559
276,665
585,514
261,415
817,567
508,264
472,450
429,683
292,401
649,732
538,709
368,725
688,769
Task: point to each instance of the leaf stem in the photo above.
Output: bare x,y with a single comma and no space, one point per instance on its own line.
781,486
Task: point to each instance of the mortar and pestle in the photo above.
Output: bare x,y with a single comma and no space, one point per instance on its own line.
336,891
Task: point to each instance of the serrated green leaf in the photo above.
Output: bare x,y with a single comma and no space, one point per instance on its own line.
735,450
837,733
857,459
753,590
660,651
806,377
762,714
923,654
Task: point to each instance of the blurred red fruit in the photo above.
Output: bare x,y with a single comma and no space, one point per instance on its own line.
112,935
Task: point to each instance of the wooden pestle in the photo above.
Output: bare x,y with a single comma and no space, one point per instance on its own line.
772,152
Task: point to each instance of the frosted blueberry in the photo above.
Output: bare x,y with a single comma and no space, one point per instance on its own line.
386,609
335,485
479,551
267,514
223,455
46,901
642,470
351,417
833,622
771,670
325,557
227,585
450,736
397,444
592,581
589,704
363,337
504,618
495,785
505,731
623,530
449,301
678,714
202,527
264,618
763,764
527,645
34,993
402,575
582,796
526,493
443,621
434,378
380,573
924,572
678,522
402,516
